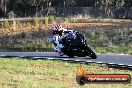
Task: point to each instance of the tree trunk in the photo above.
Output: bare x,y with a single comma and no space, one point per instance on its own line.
125,13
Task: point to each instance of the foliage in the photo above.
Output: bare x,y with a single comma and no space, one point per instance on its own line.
36,21
46,20
52,19
23,35
29,7
5,24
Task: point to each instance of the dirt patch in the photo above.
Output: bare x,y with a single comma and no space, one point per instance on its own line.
11,31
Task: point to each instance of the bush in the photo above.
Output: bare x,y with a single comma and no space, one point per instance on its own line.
46,20
36,21
23,35
5,24
52,19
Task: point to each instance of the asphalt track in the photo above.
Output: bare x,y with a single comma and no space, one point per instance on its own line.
112,60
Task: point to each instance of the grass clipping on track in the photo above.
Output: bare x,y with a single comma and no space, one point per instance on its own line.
23,73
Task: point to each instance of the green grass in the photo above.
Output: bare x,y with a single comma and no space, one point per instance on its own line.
116,49
23,73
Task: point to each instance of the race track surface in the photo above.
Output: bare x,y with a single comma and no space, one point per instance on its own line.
102,58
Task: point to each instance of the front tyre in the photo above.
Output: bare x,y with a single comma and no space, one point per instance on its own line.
92,55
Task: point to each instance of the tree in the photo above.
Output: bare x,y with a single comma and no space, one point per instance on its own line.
3,7
28,7
85,3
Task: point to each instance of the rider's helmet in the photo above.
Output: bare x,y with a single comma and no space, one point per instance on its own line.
57,29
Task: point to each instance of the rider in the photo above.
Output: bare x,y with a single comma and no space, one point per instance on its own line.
55,39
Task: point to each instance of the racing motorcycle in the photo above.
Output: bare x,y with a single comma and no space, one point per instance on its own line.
75,45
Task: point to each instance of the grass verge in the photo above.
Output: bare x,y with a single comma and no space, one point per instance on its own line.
117,49
23,73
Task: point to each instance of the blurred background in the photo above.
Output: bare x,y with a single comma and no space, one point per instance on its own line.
25,24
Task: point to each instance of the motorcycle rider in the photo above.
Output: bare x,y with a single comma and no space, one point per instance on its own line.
56,38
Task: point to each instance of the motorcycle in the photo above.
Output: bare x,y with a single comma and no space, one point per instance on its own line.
75,45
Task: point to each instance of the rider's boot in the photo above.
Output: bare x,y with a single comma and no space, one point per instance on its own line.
60,53
58,50
59,47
